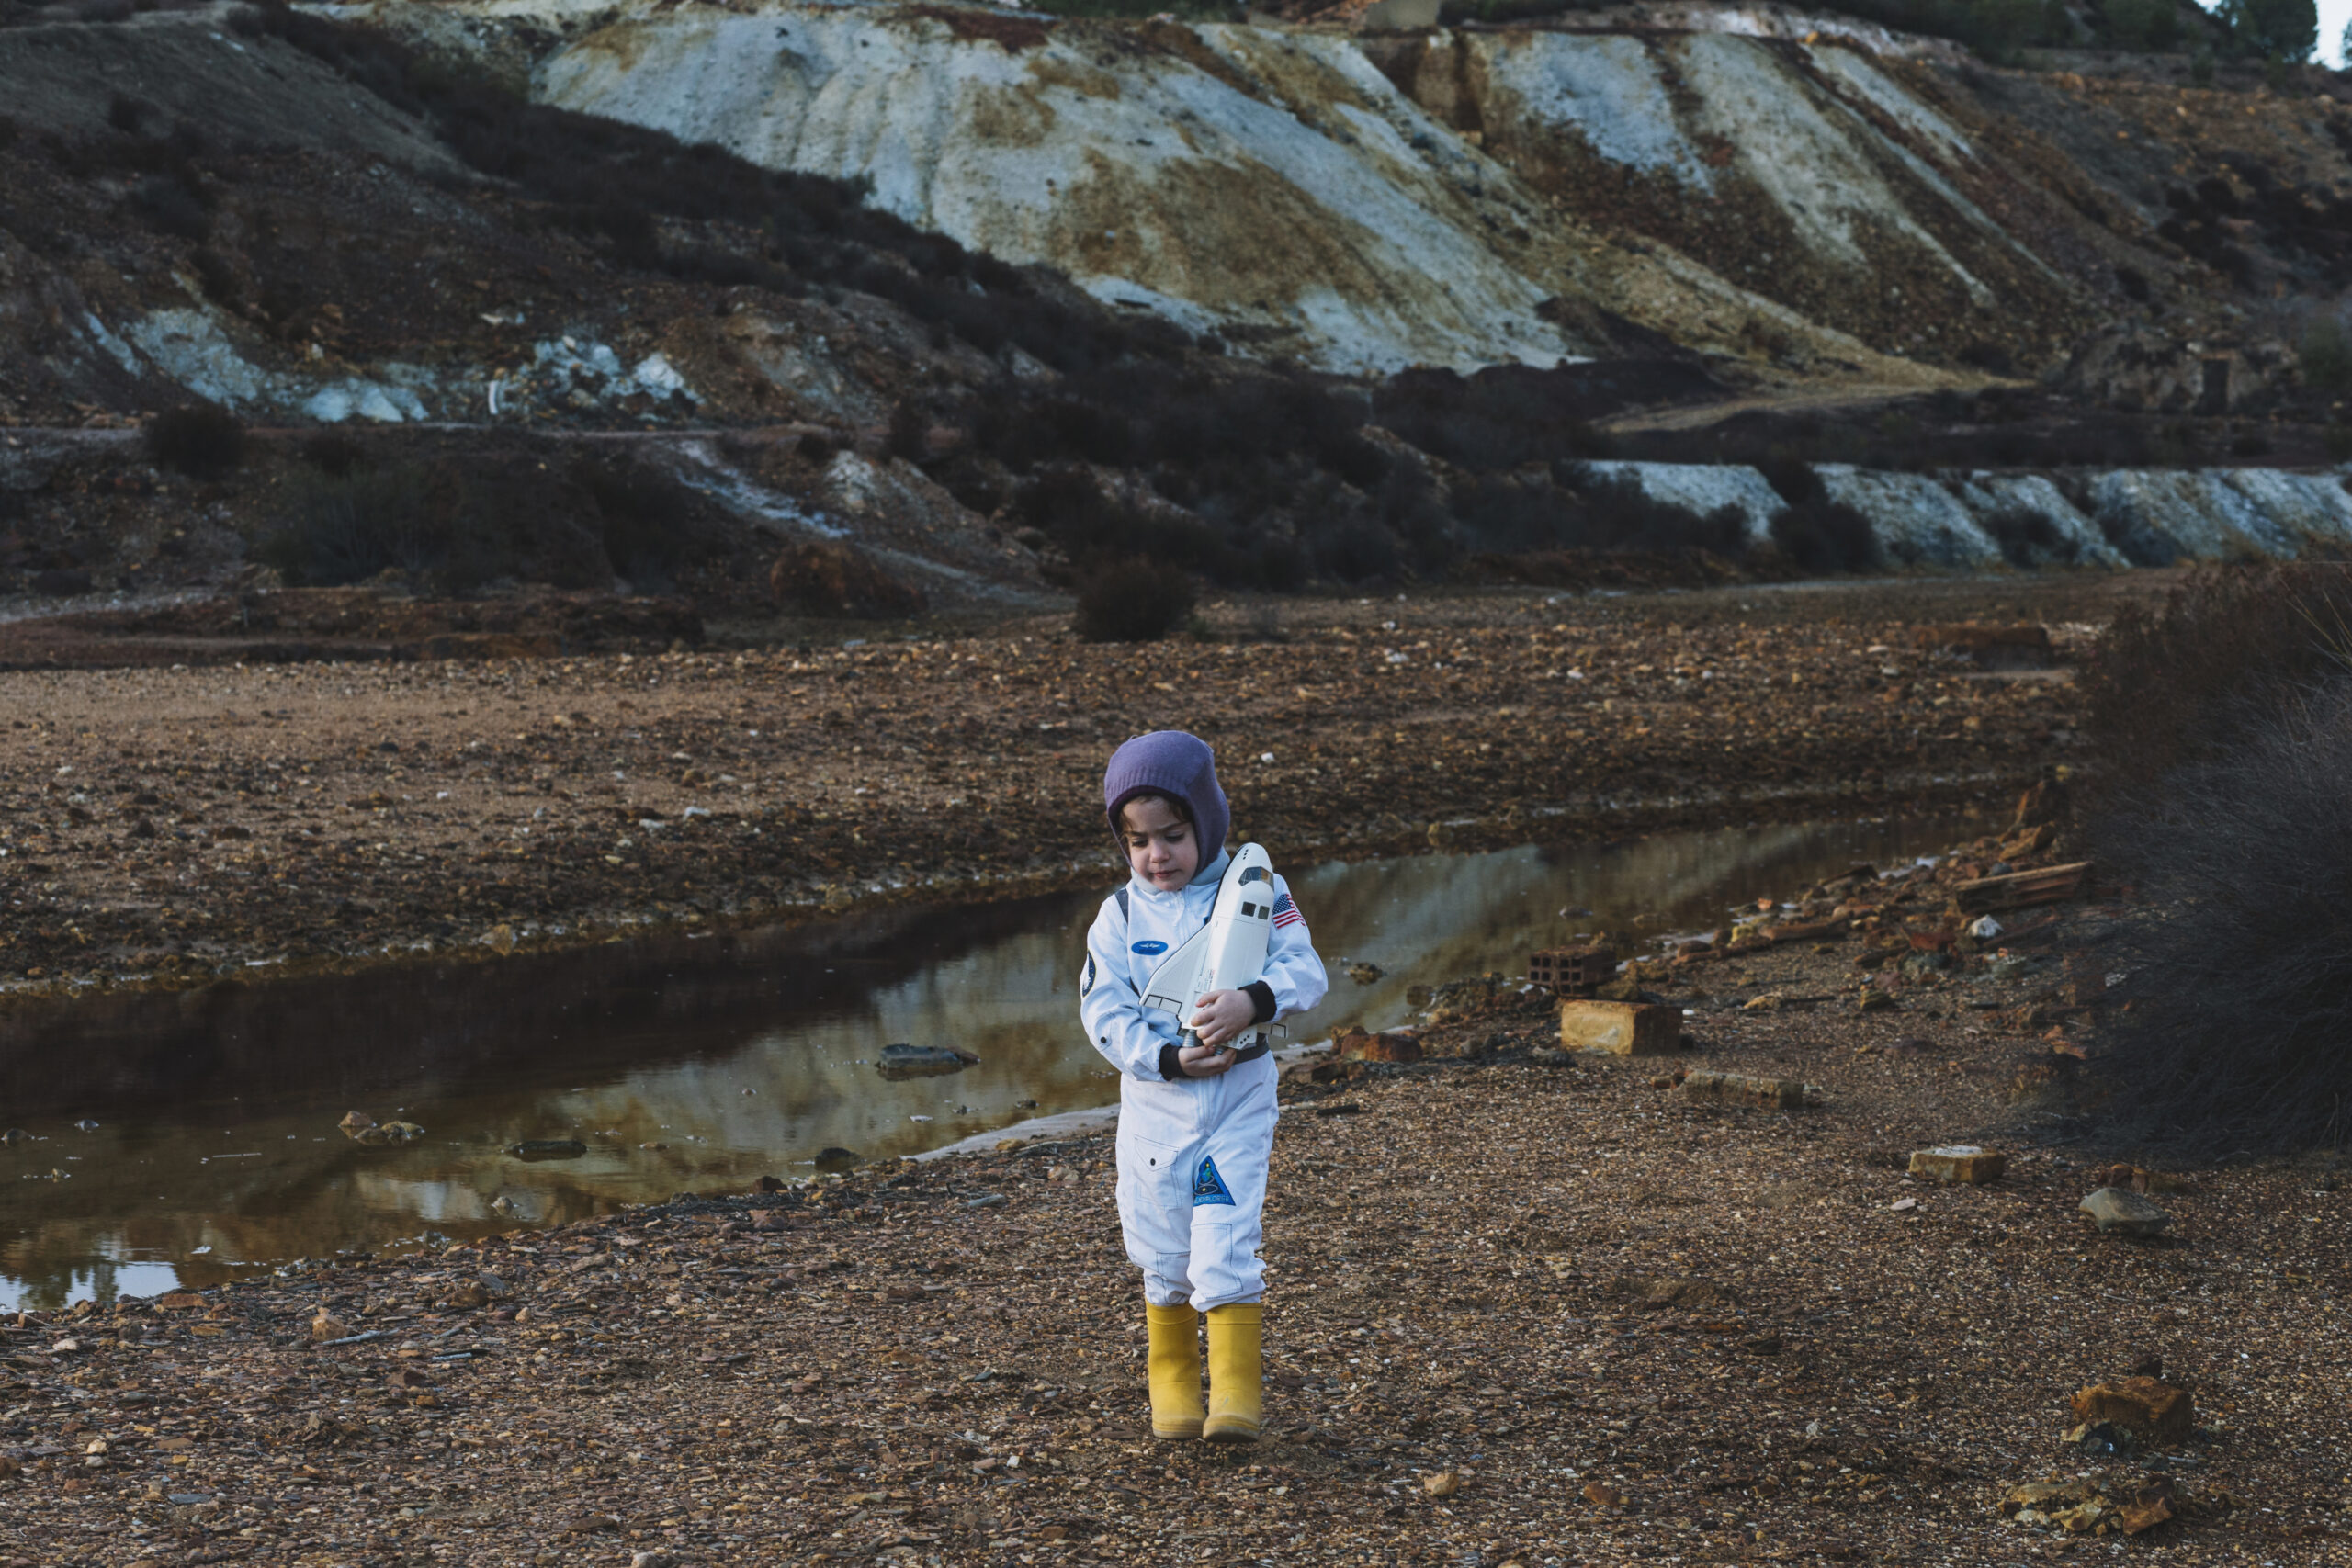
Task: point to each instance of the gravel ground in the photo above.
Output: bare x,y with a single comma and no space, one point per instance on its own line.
171,825
1524,1307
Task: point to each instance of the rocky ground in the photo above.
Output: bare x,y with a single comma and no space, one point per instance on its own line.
1526,1307
169,824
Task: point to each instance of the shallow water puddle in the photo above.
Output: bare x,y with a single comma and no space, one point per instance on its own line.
692,1064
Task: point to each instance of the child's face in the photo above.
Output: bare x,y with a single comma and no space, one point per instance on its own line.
1162,848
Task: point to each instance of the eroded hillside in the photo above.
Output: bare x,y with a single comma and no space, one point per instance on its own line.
1812,205
1007,299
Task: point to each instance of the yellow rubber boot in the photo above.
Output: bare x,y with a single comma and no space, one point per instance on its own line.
1174,1363
1233,1373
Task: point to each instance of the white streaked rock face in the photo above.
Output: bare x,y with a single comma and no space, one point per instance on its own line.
1701,488
1305,193
1918,522
1998,502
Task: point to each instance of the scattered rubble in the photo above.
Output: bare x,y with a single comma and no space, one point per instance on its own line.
2096,1508
2154,1411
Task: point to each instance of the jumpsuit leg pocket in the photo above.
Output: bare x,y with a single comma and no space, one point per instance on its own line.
1154,1205
1151,1173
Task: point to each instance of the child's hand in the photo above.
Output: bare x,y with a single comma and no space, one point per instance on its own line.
1224,1015
1204,1061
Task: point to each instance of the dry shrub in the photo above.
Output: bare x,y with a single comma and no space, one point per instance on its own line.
460,520
2029,539
348,525
2240,961
825,577
203,441
1134,601
2229,647
1824,535
2222,720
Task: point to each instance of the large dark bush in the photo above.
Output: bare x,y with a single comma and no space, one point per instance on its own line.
645,521
347,526
1824,535
1792,477
166,205
2273,29
1132,601
1620,515
2144,24
2029,538
201,440
2238,965
459,522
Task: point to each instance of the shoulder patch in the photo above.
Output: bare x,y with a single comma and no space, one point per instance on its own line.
1208,1187
1086,976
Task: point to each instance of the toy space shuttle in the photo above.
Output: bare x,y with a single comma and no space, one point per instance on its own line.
1230,951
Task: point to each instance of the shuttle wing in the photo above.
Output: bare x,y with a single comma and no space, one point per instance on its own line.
1176,984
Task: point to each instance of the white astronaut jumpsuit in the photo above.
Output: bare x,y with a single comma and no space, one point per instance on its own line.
1193,1153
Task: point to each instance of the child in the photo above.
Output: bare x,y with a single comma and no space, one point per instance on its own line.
1196,1121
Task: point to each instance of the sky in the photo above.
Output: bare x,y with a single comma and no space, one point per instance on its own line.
2333,15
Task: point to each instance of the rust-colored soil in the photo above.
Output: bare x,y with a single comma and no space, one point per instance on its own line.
169,823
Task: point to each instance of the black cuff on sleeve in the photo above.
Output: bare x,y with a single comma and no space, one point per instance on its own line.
1262,994
1170,1068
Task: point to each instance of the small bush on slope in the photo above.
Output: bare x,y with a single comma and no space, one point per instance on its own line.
201,440
1132,601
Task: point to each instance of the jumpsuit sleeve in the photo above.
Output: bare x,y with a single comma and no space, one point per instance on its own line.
1294,973
1115,1024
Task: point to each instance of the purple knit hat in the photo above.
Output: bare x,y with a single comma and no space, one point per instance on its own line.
1170,762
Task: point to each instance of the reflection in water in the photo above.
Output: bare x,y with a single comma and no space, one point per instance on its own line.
693,1063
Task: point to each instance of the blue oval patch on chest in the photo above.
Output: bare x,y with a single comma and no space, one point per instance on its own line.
1148,949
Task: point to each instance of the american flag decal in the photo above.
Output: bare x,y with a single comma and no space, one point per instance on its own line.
1287,913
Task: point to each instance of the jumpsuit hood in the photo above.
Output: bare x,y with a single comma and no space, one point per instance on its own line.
1171,762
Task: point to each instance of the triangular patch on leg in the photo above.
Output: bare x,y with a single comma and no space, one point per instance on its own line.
1208,1187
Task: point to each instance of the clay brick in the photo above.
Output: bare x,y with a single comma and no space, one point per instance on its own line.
1621,1028
1734,1089
2150,1409
1958,1164
1572,969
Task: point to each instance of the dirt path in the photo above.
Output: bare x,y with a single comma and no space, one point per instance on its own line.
1844,396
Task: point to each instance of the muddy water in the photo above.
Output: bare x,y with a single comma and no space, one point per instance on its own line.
184,1138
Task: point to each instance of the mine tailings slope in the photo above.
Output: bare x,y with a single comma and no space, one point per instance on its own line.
1367,202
